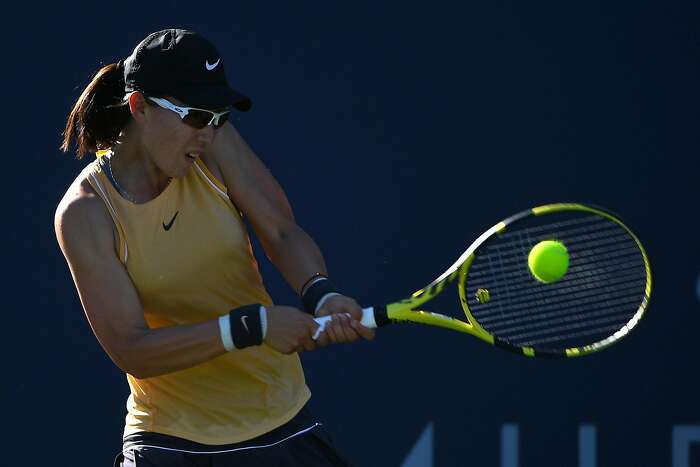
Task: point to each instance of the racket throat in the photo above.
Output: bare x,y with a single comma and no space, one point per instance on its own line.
381,317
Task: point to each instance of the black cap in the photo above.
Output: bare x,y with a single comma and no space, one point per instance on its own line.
184,65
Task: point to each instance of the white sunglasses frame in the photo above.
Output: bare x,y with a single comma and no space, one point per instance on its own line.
183,111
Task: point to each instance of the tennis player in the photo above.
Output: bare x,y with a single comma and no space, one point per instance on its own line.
153,233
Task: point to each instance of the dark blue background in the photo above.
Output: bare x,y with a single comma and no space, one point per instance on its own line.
400,131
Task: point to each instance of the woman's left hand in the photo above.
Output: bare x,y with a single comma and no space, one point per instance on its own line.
342,328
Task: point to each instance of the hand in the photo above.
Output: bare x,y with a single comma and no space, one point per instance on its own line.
290,330
342,328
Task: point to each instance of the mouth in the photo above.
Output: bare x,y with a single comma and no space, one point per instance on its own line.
192,155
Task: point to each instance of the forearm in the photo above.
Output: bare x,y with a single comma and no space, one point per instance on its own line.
165,350
297,256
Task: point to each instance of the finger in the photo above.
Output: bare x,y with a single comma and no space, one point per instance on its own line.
309,344
318,328
323,340
322,312
309,337
336,330
345,331
348,306
351,335
332,330
364,332
355,310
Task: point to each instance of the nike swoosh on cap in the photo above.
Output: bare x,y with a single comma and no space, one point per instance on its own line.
214,65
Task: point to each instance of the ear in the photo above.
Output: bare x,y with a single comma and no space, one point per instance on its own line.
137,106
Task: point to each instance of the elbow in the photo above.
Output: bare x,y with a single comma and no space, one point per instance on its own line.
141,374
278,239
129,364
129,359
135,368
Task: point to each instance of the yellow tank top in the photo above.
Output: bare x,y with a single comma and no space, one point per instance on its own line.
190,258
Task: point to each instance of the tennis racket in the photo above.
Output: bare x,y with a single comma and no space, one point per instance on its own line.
600,300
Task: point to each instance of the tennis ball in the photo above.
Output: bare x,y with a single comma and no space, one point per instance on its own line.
548,261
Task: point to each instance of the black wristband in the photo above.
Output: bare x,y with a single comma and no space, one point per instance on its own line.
316,275
246,327
314,293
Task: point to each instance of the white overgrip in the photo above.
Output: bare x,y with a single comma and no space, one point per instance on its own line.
367,321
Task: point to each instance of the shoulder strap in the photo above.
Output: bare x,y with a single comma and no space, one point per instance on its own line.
204,172
101,190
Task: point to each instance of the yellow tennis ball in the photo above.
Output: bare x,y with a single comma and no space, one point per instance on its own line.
548,261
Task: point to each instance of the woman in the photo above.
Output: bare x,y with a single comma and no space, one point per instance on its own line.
153,234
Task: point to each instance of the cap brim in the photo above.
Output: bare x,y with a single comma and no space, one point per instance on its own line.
213,97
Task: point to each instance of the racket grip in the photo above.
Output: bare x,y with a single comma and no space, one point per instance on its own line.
367,321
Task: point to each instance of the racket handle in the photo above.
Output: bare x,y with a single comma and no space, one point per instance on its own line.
367,321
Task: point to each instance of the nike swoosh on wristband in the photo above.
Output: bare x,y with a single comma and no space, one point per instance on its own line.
170,224
245,325
211,67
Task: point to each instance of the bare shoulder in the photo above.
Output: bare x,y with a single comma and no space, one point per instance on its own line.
82,221
225,152
229,149
234,163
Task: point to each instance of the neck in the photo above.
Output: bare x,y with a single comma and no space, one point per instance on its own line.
135,172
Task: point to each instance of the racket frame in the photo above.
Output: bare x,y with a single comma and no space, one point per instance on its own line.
405,311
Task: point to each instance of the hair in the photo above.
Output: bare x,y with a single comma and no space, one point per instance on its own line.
99,114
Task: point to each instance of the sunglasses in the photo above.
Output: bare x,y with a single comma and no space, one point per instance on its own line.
192,116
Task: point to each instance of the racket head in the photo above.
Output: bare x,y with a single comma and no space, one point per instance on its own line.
599,300
404,311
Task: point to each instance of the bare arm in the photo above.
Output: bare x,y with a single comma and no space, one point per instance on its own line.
86,236
254,190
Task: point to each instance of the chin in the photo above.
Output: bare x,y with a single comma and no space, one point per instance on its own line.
184,170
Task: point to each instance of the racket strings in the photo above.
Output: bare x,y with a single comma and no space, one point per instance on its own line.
551,334
522,285
576,241
607,330
609,247
606,270
613,311
524,279
611,267
557,226
565,306
601,292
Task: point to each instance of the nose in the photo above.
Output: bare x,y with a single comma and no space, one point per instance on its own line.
205,135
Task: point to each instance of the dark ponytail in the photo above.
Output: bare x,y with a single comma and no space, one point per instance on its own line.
99,115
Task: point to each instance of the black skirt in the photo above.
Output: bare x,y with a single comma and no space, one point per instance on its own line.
300,442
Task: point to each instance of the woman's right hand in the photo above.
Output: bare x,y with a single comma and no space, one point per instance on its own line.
289,329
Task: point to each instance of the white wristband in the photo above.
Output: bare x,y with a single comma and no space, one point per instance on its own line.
323,300
263,320
225,330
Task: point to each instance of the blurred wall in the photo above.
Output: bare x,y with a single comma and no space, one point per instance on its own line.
400,131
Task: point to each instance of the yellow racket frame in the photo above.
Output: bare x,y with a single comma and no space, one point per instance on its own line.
406,310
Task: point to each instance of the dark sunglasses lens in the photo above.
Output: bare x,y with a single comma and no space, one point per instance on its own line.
197,118
221,120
